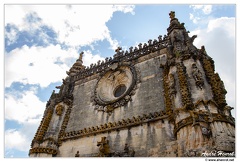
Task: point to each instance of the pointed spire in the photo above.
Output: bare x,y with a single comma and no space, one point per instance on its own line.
80,56
77,66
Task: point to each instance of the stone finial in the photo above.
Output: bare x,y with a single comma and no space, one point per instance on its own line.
172,15
81,56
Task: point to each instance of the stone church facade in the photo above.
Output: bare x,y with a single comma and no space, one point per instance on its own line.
162,98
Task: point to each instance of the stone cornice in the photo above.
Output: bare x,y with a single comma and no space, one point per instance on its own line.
214,117
122,124
43,150
122,56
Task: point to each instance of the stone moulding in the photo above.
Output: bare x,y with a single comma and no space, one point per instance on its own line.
214,117
43,150
167,97
122,124
216,83
51,139
65,120
183,83
42,129
205,102
122,56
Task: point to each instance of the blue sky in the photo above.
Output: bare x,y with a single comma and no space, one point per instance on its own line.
41,46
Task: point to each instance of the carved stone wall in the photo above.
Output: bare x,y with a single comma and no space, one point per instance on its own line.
160,99
153,139
148,89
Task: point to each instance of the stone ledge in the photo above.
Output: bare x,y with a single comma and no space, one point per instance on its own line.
124,123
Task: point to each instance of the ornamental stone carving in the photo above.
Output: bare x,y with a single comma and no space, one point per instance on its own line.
171,85
197,75
104,149
59,109
115,87
179,42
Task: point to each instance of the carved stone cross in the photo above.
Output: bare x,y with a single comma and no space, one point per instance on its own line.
118,49
103,147
102,142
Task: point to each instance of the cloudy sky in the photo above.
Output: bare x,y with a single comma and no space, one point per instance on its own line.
43,41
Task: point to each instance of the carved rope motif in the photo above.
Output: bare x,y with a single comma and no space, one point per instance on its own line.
215,82
42,129
167,97
69,102
185,93
43,150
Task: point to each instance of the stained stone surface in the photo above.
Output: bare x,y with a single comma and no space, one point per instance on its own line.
171,103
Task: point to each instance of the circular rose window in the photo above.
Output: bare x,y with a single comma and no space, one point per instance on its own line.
120,90
114,85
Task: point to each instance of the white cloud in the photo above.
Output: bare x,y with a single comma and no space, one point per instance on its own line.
20,139
11,35
206,9
194,18
24,107
89,58
225,23
16,140
76,25
43,66
219,41
124,8
37,65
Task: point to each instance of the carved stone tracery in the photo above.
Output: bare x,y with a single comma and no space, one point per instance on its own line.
115,87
